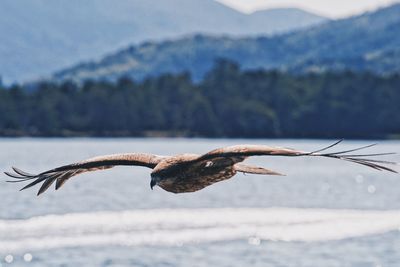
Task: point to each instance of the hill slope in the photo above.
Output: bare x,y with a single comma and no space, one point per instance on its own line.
41,36
367,42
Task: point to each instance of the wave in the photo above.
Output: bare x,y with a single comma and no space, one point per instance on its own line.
174,227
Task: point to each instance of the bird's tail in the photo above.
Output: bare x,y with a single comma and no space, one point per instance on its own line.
254,170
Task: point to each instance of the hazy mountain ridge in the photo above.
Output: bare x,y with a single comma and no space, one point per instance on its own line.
42,36
369,42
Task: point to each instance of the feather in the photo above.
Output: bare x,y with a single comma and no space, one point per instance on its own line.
254,170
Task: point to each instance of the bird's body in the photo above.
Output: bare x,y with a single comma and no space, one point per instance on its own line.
179,174
189,172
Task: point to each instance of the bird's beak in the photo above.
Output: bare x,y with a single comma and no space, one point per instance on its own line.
152,184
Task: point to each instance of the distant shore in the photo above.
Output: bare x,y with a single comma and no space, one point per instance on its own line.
189,136
228,103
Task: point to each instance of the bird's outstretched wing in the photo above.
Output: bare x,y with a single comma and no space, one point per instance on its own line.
61,174
261,150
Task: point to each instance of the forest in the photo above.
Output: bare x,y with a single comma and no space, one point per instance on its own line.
228,102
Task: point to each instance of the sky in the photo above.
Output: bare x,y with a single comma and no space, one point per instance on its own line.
328,8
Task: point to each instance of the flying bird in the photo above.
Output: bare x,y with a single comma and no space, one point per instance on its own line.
191,172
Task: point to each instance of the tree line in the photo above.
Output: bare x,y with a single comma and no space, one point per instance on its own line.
228,102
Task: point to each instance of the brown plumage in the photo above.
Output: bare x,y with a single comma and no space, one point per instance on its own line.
191,172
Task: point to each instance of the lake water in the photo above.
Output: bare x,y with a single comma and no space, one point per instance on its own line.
323,213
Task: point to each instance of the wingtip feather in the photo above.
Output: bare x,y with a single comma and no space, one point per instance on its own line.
22,173
47,183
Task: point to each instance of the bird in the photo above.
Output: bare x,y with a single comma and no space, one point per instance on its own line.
185,173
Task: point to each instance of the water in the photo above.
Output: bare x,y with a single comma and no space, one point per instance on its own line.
323,213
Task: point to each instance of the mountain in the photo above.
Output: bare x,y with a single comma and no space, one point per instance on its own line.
368,42
41,36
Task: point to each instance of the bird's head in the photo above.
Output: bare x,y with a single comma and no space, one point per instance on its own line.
154,180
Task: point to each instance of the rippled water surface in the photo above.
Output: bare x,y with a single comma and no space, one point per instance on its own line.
322,213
